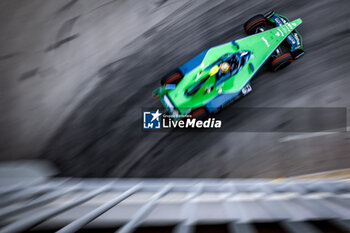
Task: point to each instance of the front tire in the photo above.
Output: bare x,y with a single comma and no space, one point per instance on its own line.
281,61
200,113
253,23
172,78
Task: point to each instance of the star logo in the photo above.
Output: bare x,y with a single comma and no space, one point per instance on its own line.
156,115
151,120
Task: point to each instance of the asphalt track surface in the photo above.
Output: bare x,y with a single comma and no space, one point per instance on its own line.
102,136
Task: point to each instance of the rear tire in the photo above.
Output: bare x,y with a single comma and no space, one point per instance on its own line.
172,78
253,23
199,113
281,61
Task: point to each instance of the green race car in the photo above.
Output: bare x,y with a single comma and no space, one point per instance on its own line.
222,74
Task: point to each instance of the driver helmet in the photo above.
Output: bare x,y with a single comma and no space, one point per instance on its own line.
224,67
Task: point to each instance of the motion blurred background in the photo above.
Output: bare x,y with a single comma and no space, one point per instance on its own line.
75,75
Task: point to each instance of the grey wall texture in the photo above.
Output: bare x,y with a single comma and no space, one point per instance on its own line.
75,75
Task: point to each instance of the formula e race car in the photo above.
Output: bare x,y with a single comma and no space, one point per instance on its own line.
222,74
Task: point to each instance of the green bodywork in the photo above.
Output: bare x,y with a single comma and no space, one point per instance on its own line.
260,46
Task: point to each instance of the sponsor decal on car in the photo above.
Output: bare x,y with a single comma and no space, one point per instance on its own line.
297,37
267,43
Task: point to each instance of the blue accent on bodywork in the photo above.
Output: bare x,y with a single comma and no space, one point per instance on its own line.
234,43
223,78
169,108
170,86
251,67
193,63
220,100
193,89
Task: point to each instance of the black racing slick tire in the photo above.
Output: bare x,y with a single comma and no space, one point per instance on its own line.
199,113
281,61
253,23
172,78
